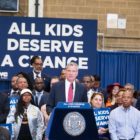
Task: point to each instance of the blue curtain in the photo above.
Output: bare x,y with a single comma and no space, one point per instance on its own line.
122,67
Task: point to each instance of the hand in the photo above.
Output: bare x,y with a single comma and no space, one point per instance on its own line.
43,110
102,130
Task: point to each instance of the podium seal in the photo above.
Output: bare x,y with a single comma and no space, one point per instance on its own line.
74,123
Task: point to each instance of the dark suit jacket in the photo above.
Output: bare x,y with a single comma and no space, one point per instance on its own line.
43,99
46,80
57,94
4,107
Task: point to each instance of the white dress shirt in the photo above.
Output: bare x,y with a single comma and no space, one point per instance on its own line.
36,75
13,91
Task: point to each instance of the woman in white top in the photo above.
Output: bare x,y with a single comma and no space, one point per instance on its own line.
28,123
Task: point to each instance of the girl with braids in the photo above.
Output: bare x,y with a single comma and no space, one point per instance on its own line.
28,123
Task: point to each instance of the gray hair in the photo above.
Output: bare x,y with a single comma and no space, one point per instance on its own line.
130,85
72,64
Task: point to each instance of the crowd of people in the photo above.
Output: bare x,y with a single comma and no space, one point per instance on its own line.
38,94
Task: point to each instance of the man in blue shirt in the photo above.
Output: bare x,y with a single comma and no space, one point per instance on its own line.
124,121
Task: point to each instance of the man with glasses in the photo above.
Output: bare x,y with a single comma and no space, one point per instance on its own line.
37,71
129,86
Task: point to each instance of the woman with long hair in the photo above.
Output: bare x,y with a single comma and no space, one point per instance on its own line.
27,120
112,92
96,102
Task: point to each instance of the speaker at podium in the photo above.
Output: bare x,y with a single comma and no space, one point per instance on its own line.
72,121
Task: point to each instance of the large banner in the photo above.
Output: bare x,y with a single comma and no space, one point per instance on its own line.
57,41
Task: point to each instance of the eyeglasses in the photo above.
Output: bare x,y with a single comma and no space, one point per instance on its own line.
38,64
128,88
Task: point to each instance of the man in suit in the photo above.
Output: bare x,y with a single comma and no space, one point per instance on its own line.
68,90
40,96
37,64
14,89
54,80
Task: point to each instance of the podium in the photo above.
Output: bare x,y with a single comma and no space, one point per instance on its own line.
72,121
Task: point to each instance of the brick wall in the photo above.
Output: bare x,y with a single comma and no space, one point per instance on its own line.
114,39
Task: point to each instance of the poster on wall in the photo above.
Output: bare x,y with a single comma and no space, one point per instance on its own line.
57,41
9,5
